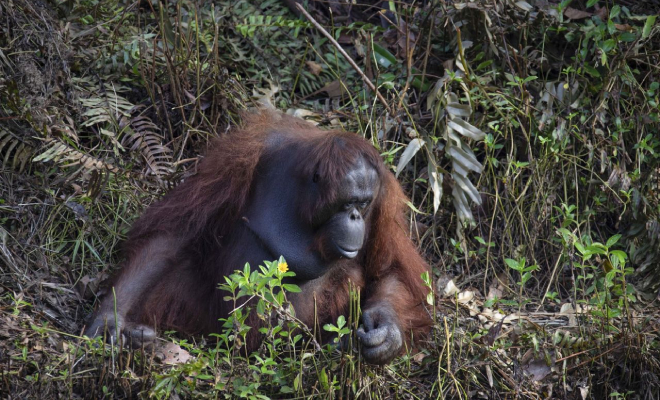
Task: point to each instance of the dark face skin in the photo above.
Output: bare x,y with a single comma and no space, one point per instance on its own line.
274,218
345,229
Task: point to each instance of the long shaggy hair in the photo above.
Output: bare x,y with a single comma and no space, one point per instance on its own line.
209,206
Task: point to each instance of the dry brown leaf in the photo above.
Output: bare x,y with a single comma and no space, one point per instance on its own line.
523,5
572,13
465,296
333,89
493,333
445,286
314,68
170,353
537,368
601,13
419,357
497,287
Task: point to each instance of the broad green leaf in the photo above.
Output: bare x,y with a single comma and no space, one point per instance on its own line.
323,379
591,71
609,277
596,250
613,240
648,25
566,234
616,10
291,288
484,64
620,255
608,45
417,81
628,37
383,57
513,264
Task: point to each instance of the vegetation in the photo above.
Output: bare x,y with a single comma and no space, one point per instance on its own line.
526,134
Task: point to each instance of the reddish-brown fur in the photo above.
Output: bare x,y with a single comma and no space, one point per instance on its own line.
192,229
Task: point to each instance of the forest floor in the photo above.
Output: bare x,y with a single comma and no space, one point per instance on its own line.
526,134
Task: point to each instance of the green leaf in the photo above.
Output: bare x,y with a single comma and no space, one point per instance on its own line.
514,264
620,255
613,240
591,71
566,234
648,25
531,268
383,57
609,277
323,379
426,277
596,248
417,81
628,37
387,77
616,10
608,45
484,64
291,288
413,208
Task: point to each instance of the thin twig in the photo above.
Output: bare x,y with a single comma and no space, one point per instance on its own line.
343,53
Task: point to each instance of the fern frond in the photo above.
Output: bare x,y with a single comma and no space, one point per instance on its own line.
143,136
14,150
105,104
66,156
